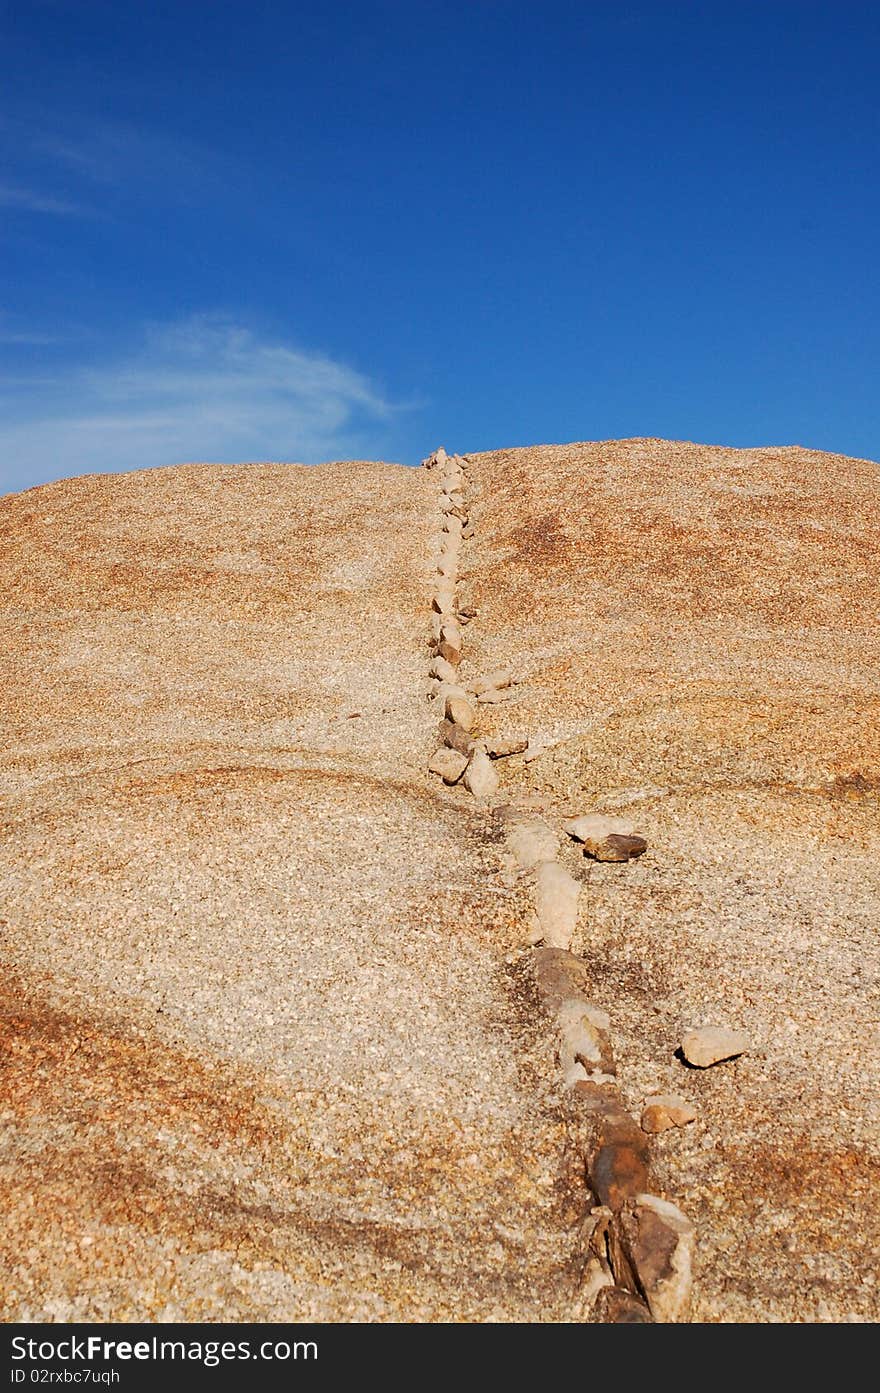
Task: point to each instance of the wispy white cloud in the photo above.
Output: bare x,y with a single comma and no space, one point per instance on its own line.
29,201
201,389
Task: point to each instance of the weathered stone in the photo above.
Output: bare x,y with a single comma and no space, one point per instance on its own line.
451,541
467,533
449,689
444,597
450,650
455,737
449,764
606,838
556,903
497,679
595,827
449,646
583,1037
573,1073
500,746
531,841
479,777
614,1147
559,976
658,1241
617,847
665,1110
447,565
617,1306
443,670
459,710
711,1044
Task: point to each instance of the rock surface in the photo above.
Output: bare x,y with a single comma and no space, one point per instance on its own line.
665,1110
712,1044
257,1065
236,921
449,764
700,631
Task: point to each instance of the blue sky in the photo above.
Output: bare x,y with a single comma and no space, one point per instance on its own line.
304,231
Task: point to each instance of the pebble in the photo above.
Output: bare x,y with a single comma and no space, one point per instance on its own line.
556,903
531,841
459,710
712,1044
664,1110
617,847
606,838
497,679
449,764
479,777
455,737
499,747
443,670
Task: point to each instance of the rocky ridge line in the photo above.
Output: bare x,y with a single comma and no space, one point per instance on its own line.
637,1248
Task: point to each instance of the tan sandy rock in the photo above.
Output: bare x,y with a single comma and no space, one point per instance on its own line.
701,631
664,1110
556,903
449,764
712,1044
491,681
502,746
530,840
480,778
459,710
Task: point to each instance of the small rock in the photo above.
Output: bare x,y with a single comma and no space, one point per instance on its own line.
615,1148
617,847
584,1037
455,737
617,1306
575,1073
556,903
459,710
658,1241
499,678
494,696
444,597
449,689
596,826
479,777
531,841
559,976
711,1044
499,747
665,1110
443,670
449,764
467,533
450,651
